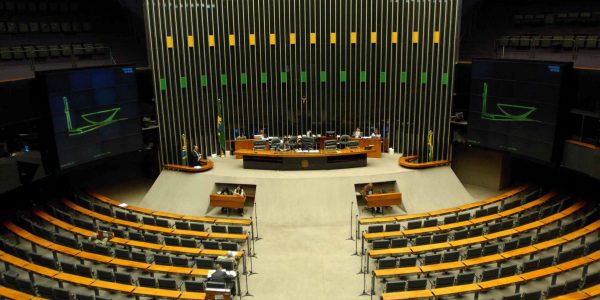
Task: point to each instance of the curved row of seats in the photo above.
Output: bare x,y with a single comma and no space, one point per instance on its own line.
515,192
145,287
482,238
154,213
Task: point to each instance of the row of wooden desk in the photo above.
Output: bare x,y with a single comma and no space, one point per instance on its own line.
373,143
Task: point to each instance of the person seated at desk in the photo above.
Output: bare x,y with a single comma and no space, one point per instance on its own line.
375,133
101,237
357,134
196,157
368,190
221,275
239,191
224,191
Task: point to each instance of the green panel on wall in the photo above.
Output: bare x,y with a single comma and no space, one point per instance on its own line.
424,78
323,76
163,84
263,77
382,77
223,79
203,80
445,78
403,77
244,78
303,77
283,77
342,76
363,76
183,82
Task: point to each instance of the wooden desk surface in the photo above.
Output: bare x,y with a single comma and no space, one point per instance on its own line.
76,279
207,164
396,271
154,292
407,295
321,153
118,287
442,266
458,289
192,296
500,282
579,295
540,273
16,295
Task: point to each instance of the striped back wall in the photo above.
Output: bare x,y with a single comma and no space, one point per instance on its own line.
288,66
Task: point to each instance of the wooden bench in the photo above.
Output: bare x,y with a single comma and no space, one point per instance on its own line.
472,222
385,199
476,240
92,282
131,243
159,229
494,258
445,211
137,209
227,201
497,283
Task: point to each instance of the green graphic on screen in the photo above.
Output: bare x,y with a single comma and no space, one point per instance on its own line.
95,120
510,112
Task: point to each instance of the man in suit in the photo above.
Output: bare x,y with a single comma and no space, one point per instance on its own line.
220,275
196,156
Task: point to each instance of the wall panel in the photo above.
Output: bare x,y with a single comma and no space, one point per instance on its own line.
288,66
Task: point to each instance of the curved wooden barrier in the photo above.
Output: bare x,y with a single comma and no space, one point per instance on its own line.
445,211
408,162
208,165
137,209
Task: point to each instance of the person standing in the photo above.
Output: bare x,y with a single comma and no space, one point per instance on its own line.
240,191
196,156
375,133
357,134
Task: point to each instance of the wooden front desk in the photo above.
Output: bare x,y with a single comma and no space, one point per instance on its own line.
247,144
385,199
227,201
293,160
375,142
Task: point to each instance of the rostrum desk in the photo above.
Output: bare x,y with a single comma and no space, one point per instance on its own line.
293,160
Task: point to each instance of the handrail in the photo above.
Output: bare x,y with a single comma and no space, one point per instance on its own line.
407,162
155,213
495,283
488,259
152,228
105,259
445,211
131,243
92,282
468,223
208,165
478,239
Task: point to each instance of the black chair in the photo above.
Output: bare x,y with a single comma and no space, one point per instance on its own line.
205,263
461,234
139,256
407,262
512,297
85,297
465,278
416,284
511,245
147,281
123,278
88,246
106,275
330,145
450,219
119,214
451,256
509,270
10,278
122,254
392,227
43,261
495,227
102,250
555,290
235,229
194,286
492,210
197,226
68,268
432,259
578,251
275,144
344,139
226,264
444,281
395,286
61,294
532,295
25,285
475,232
439,238
591,279
171,241
572,285
180,262
218,229
490,274
423,240
375,228
464,217
352,144
229,246
414,225
151,238
149,220
191,243
211,245
524,241
490,250
167,284
508,224
430,223
399,243
545,262
530,265
136,236
161,259
381,244
480,213
182,225
215,285
44,291
162,223
386,263
84,271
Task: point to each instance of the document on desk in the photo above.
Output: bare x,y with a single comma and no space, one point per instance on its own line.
230,273
123,205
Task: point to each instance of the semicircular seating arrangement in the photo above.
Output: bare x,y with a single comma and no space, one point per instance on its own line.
48,253
514,240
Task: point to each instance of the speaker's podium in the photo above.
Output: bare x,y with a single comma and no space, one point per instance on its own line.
384,199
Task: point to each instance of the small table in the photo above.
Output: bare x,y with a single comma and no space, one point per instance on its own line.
227,201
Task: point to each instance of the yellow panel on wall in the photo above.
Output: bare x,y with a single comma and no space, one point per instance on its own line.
394,37
211,40
191,41
436,37
353,37
292,38
252,39
415,38
232,40
332,37
313,38
272,39
169,41
373,37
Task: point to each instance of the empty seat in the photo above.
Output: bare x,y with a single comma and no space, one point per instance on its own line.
476,232
162,222
68,267
416,284
444,281
229,246
450,219
461,234
407,262
61,294
451,256
414,225
85,297
530,265
423,240
492,210
555,290
84,271
167,284
511,245
572,285
509,270
439,238
395,286
494,227
205,263
180,262
545,262
122,254
591,279
536,295
432,259
578,251
430,223
386,263
480,213
211,245
464,217
44,291
465,278
161,259
149,220
151,238
106,275
24,285
474,253
375,228
490,249
392,227
139,256
136,236
194,286
120,214
147,281
490,274
218,228
512,297
524,241
399,243
230,229
381,244
188,243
